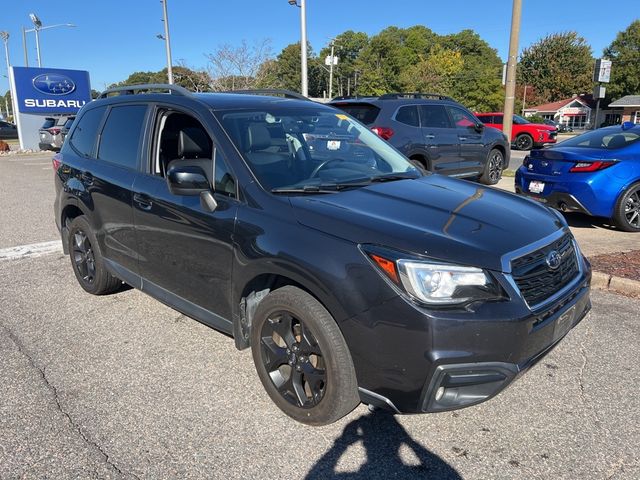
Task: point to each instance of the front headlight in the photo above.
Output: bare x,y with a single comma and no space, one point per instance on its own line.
437,284
445,284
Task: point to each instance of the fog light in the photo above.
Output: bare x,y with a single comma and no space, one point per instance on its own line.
439,393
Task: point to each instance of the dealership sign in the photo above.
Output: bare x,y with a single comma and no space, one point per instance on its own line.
51,90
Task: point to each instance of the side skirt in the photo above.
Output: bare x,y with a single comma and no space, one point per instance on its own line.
170,299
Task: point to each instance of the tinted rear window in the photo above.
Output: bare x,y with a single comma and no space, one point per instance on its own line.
604,138
121,135
85,135
363,112
487,118
48,123
434,116
408,115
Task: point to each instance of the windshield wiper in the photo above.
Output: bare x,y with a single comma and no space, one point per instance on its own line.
393,177
321,188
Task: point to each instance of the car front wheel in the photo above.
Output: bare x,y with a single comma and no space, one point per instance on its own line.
302,358
627,212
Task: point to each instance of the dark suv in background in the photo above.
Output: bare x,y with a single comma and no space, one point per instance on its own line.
350,274
435,132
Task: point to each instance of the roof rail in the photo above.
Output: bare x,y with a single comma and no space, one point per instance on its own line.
272,91
132,89
352,97
395,96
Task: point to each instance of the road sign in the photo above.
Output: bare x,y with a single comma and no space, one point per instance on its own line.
602,71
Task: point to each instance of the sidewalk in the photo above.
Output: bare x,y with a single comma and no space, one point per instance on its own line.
596,237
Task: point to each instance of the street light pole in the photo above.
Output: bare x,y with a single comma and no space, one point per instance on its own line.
331,62
24,47
38,47
5,39
512,62
304,79
167,41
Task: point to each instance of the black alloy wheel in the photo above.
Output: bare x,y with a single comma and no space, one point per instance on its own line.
493,168
627,211
293,359
86,259
524,142
302,358
83,257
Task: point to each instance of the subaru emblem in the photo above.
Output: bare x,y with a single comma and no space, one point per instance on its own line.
553,260
54,84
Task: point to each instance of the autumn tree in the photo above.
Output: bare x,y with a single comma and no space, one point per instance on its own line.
557,66
238,67
624,52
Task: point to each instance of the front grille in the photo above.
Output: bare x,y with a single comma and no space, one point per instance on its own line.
534,277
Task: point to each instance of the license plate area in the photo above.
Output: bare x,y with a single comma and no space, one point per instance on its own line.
564,323
536,186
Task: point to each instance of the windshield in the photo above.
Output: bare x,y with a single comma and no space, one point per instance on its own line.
518,120
312,148
603,138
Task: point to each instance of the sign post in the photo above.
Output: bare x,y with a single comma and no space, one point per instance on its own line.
45,91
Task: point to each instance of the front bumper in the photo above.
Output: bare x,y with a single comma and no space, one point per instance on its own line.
413,360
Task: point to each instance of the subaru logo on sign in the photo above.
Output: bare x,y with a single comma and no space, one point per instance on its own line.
54,84
553,260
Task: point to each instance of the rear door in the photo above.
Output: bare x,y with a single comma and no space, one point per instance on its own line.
440,139
473,152
106,172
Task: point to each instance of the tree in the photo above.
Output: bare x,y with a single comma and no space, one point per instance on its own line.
624,52
194,80
285,71
557,66
238,68
434,73
348,46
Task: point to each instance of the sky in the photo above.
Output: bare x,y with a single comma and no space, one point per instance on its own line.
115,38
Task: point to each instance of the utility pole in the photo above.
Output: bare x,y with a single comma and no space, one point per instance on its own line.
303,48
512,62
524,99
24,47
167,41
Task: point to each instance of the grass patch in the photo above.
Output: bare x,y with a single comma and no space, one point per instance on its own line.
509,173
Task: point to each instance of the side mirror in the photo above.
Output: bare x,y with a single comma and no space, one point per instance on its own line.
479,126
187,180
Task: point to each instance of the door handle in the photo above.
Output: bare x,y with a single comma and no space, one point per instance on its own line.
86,178
430,137
462,139
143,201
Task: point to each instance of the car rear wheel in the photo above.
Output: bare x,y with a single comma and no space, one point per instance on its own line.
627,212
86,260
524,141
493,168
302,358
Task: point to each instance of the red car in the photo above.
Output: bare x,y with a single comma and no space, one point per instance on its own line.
524,134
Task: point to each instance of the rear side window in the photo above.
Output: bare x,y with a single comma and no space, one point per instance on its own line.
498,119
363,112
434,116
121,135
408,115
85,135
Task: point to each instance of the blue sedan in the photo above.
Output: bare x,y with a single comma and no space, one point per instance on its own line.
597,173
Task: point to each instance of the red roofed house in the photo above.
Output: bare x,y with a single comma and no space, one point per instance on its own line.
577,112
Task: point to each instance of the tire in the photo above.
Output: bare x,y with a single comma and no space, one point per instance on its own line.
86,260
493,168
302,358
626,214
524,141
420,163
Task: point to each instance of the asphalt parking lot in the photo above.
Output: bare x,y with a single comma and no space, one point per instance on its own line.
121,386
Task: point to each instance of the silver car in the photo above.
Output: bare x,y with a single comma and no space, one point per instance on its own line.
53,132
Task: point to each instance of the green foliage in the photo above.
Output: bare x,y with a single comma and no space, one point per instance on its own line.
557,66
535,118
196,81
624,52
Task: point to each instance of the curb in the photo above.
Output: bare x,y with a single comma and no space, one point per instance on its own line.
624,286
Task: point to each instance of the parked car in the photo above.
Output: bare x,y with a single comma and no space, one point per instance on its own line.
435,132
53,132
560,127
8,131
597,173
350,280
524,134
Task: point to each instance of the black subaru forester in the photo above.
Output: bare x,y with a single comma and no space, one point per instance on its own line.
353,276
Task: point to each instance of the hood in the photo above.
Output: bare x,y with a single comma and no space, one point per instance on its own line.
437,216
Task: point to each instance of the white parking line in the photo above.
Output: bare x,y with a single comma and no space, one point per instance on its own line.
33,250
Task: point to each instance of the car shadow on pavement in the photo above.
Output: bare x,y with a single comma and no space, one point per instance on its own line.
580,220
382,437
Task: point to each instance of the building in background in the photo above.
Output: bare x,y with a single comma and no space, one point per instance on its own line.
577,112
628,108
